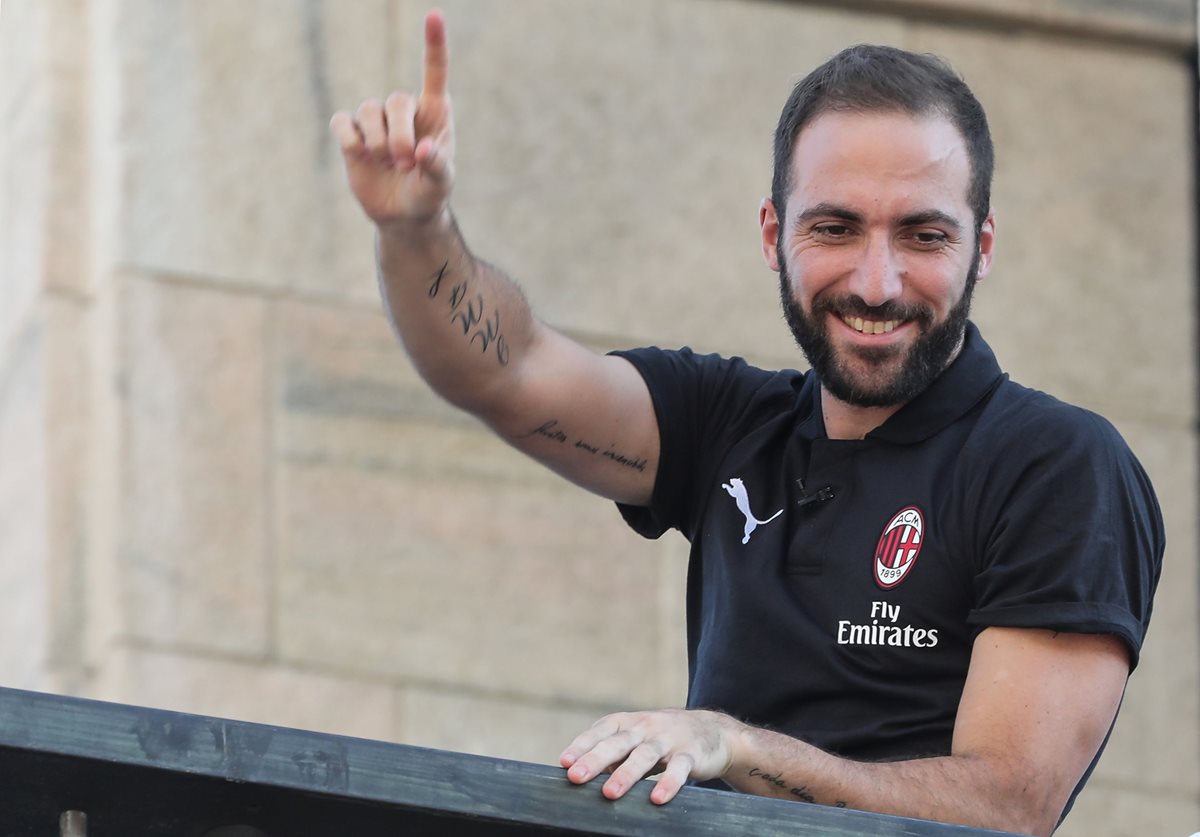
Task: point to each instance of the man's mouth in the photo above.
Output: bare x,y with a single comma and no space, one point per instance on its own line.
871,326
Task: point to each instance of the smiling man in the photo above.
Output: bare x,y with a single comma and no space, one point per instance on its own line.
904,565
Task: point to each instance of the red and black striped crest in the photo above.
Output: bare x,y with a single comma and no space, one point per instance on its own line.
899,546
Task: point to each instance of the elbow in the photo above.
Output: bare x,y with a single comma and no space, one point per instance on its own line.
1016,798
1037,823
1031,806
484,397
1015,817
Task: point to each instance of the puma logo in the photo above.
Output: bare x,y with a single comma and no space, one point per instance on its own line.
737,490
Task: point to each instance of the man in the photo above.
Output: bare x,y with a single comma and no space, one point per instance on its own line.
930,583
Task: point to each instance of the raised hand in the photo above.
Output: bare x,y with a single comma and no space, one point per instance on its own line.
684,744
399,154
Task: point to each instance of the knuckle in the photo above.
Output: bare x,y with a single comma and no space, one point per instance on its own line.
655,746
613,722
686,761
397,99
644,752
627,738
343,129
369,108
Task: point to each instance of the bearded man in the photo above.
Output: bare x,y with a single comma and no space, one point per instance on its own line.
904,565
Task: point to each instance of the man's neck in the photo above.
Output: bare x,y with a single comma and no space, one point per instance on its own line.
847,421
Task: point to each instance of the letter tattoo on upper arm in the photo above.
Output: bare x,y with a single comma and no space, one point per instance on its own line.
472,315
553,431
436,285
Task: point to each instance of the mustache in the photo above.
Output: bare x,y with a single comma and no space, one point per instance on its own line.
851,305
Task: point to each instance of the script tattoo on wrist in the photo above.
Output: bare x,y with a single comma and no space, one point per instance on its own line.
552,431
801,792
477,323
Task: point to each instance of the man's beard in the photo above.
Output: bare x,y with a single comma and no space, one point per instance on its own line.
925,361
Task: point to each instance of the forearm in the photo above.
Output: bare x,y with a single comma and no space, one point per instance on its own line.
466,326
966,789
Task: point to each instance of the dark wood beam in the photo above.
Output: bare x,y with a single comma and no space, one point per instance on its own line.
137,771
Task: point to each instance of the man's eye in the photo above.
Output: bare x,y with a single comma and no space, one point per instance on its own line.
833,230
929,237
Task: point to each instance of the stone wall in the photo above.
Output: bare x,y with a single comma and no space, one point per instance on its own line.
223,488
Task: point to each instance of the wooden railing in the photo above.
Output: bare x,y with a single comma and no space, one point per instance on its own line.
75,767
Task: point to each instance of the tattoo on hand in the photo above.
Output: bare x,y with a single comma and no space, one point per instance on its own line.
472,315
551,430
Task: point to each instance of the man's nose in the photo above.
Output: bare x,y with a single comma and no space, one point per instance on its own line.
876,279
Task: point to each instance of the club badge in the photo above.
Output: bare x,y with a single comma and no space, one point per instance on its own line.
899,546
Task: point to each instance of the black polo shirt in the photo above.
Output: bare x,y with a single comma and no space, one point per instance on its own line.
835,587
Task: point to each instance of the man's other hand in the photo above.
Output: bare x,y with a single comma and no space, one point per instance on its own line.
683,744
399,154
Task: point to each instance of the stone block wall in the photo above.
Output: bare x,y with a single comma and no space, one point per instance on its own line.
223,489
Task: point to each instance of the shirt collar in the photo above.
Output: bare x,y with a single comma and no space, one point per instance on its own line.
964,383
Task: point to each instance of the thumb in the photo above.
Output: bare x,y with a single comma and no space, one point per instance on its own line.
433,160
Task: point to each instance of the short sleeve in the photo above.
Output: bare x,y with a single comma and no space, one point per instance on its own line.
1076,540
701,402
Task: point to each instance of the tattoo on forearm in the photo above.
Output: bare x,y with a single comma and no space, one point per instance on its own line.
802,792
491,333
469,316
472,315
456,297
436,285
552,431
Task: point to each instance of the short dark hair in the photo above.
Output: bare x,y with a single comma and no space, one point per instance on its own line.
868,78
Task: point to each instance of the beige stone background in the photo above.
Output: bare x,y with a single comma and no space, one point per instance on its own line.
222,488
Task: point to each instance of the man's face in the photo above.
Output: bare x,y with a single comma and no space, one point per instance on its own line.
877,253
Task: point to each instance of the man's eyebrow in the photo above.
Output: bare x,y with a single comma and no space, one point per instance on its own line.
931,216
914,219
828,210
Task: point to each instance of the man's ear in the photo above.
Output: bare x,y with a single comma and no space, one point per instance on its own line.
768,222
987,244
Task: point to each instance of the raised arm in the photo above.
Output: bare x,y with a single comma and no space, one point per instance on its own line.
466,326
1035,710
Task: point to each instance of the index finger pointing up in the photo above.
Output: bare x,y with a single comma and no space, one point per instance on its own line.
437,55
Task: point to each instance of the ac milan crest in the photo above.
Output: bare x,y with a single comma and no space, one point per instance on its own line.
899,546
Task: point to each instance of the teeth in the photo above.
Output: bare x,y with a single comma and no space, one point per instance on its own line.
871,326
